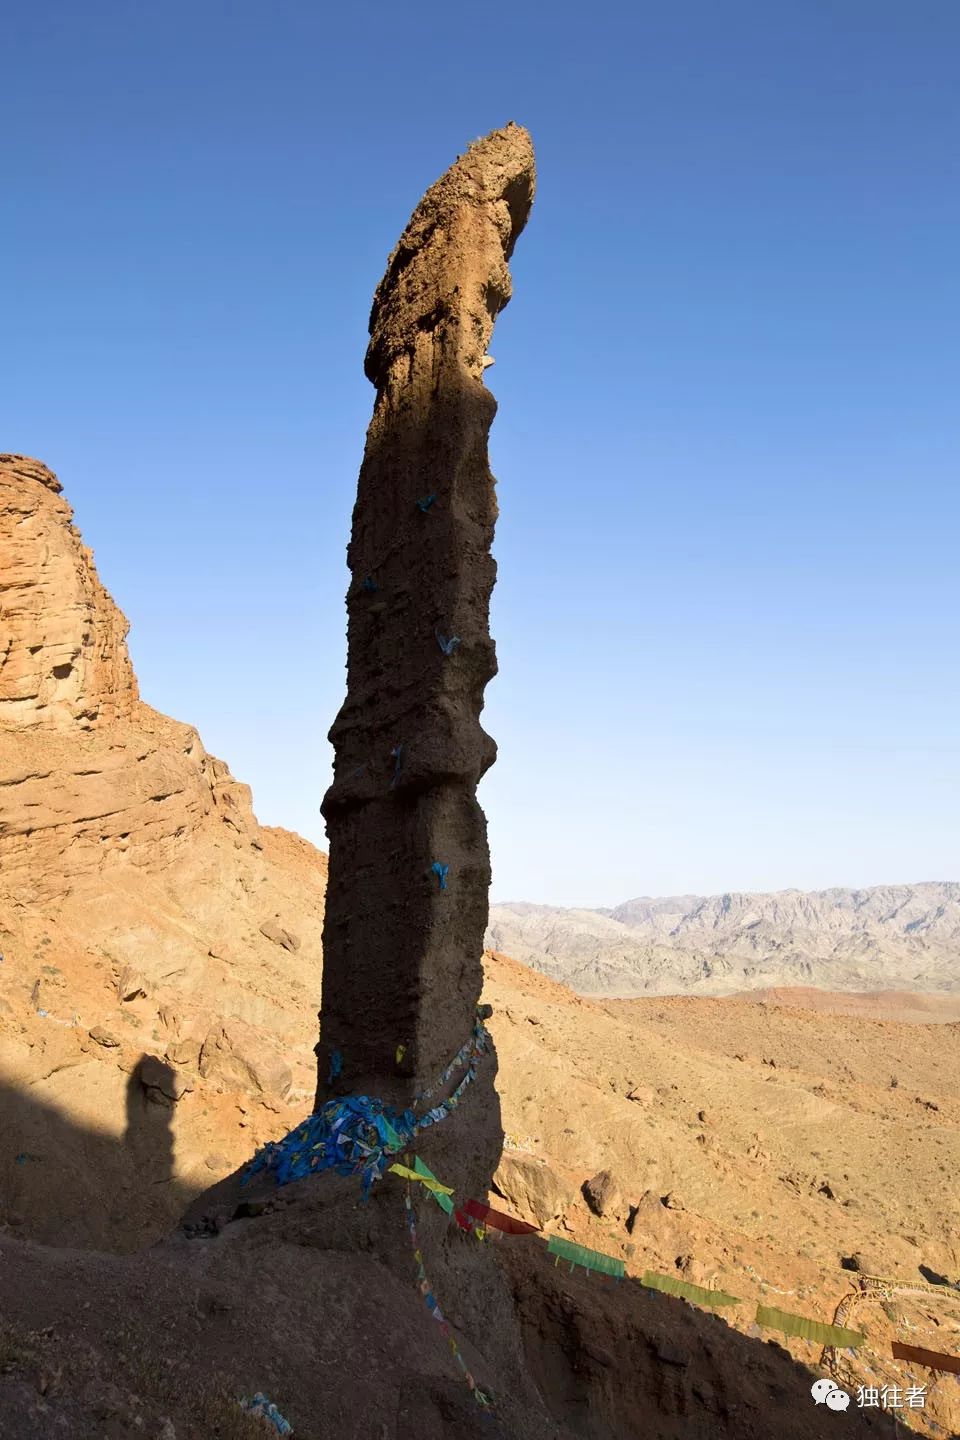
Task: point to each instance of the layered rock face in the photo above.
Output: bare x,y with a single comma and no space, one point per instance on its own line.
409,863
93,778
63,653
143,912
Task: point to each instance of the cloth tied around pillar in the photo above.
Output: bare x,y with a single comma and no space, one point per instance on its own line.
356,1134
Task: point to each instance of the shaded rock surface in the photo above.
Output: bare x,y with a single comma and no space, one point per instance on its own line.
172,1336
409,868
603,1194
162,1083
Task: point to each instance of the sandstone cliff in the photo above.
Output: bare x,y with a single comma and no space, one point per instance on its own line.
143,910
63,655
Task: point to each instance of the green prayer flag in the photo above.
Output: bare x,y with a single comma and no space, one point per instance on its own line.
393,1139
712,1299
806,1329
589,1259
443,1201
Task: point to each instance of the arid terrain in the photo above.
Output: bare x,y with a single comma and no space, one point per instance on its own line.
888,937
158,996
752,1148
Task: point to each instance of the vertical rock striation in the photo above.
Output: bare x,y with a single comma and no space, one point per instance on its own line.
409,864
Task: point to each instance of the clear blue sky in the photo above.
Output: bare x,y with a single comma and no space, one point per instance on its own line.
727,447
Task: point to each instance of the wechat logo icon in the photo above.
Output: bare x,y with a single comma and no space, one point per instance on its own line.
828,1392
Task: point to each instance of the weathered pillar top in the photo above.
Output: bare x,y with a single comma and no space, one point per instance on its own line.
451,261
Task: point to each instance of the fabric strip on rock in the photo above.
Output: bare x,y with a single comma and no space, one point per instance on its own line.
356,1134
432,1305
497,1219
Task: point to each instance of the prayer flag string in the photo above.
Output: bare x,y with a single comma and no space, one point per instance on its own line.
430,1299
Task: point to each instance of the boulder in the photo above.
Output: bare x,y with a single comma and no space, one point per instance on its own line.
670,1353
271,1075
103,1037
184,1052
692,1269
279,936
603,1194
163,1084
240,1061
647,1215
532,1189
131,984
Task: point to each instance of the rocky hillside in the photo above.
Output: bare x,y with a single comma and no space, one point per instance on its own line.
143,913
886,937
158,986
763,1150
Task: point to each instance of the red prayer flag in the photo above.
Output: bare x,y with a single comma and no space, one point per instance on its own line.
932,1359
498,1220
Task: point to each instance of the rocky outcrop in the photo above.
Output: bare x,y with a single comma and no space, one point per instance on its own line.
63,651
604,1194
95,783
409,863
279,936
240,1059
532,1188
141,907
163,1084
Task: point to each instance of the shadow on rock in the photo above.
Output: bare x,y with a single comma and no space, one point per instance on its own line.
68,1184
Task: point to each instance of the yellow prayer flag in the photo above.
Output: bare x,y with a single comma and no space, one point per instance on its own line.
806,1329
427,1180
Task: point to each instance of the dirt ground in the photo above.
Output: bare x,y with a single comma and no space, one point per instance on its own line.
159,1344
723,1126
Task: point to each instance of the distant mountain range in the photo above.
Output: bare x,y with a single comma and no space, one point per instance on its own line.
883,938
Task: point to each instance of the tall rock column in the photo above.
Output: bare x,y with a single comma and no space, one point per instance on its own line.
409,870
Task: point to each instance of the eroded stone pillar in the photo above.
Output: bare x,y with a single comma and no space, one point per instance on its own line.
403,940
